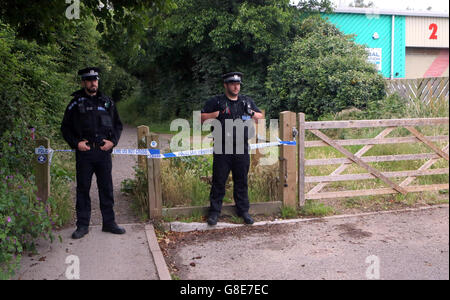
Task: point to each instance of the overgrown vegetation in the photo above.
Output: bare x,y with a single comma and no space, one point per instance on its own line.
35,89
185,54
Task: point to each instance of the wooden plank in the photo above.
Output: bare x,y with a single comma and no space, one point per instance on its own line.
258,208
375,123
411,91
415,89
42,170
441,88
358,161
396,140
150,180
435,88
142,132
427,142
157,206
365,176
383,158
425,166
422,88
301,159
360,153
373,192
445,91
288,164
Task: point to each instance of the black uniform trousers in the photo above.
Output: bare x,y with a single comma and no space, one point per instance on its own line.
87,163
239,165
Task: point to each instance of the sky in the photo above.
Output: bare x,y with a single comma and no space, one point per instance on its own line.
416,5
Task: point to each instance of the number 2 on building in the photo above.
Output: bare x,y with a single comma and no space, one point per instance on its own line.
433,27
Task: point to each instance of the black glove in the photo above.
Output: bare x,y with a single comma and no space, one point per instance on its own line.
248,108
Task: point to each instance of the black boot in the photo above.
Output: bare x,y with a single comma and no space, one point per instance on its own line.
247,218
113,228
212,219
80,232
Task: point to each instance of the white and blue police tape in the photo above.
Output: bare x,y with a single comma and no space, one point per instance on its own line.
156,153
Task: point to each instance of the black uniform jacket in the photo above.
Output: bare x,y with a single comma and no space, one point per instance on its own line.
233,110
91,118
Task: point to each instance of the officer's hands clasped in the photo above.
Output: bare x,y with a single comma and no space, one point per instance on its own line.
82,146
107,146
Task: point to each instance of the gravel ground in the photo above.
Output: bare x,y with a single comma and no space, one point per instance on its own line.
407,245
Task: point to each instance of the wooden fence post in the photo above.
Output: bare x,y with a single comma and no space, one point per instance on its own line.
42,169
142,132
157,178
154,178
301,159
288,165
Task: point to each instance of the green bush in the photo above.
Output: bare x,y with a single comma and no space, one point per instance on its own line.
23,219
322,71
30,97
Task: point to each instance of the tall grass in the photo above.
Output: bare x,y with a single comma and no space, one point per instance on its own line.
183,184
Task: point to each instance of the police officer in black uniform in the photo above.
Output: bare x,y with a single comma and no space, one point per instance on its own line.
92,127
230,106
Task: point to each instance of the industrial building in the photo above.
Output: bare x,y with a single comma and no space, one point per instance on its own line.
402,44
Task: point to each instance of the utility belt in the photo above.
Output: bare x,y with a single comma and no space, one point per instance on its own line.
97,142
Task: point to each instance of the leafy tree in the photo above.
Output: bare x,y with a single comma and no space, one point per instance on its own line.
322,72
43,20
360,3
31,93
184,55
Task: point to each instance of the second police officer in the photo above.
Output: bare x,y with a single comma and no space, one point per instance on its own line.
230,106
91,126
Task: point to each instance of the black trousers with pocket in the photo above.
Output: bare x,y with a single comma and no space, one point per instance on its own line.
87,163
239,165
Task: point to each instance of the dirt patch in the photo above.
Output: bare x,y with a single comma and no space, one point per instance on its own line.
170,241
351,231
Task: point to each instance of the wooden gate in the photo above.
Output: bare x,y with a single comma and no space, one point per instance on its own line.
350,158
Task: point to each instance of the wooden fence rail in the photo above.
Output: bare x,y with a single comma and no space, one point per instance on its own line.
357,158
425,89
